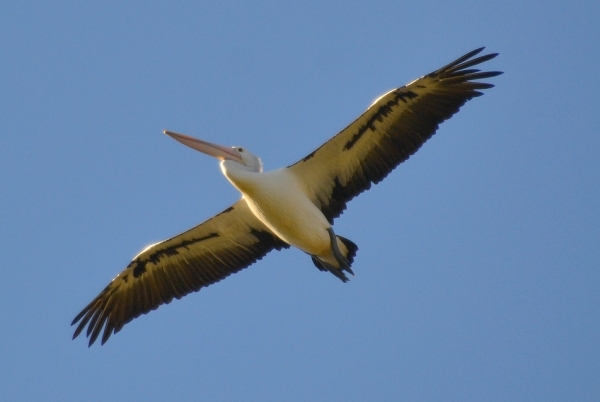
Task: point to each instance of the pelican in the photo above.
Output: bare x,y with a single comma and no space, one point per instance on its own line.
293,206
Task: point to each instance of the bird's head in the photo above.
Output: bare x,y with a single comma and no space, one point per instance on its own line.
239,155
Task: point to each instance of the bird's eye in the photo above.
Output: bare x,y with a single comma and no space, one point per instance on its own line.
240,150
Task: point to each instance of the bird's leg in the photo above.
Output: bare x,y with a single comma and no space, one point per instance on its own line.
344,265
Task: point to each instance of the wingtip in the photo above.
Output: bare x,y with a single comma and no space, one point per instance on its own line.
473,53
463,62
78,331
79,316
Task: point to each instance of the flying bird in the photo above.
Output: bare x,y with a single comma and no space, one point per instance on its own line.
292,206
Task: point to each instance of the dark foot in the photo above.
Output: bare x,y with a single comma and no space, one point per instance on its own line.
344,265
323,266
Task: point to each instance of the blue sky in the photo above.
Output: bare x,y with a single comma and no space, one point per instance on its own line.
478,270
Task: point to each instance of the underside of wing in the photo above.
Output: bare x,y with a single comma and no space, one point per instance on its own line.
393,128
205,254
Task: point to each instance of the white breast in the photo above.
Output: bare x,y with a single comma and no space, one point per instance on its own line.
278,201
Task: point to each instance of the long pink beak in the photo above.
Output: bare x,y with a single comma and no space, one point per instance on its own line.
218,151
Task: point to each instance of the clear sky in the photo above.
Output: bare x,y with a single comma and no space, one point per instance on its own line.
478,271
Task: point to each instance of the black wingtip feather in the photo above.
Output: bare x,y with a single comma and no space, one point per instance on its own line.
458,68
458,61
482,75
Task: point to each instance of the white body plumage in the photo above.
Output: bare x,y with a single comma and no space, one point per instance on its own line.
278,201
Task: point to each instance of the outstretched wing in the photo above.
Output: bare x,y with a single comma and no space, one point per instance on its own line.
218,247
392,129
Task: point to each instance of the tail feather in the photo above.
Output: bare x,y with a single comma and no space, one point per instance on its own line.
352,249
